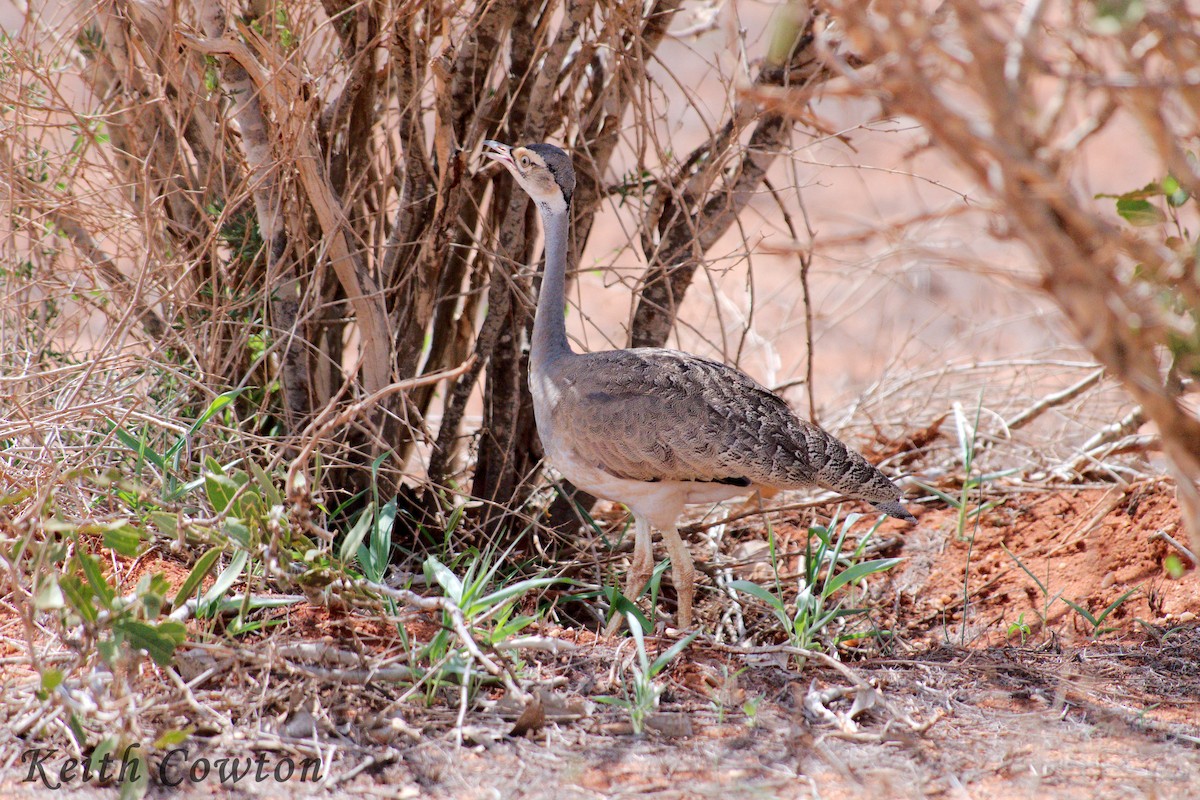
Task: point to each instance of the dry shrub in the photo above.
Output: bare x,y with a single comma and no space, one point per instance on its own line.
284,201
1013,95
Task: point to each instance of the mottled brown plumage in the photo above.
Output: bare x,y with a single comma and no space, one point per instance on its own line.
651,414
657,429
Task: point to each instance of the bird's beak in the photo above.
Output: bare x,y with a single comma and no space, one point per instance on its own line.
499,151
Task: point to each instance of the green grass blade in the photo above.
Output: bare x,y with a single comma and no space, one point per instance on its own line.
519,588
140,447
1083,612
219,402
1026,570
857,572
192,582
265,486
618,603
225,580
665,657
753,589
639,638
953,502
1115,604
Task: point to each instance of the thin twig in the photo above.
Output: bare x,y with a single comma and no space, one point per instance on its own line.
1166,537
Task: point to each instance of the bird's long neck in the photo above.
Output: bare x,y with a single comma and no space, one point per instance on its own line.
549,324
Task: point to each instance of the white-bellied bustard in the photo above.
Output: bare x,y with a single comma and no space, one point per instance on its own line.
657,429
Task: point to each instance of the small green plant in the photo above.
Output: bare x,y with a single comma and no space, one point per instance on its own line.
488,613
369,541
168,462
90,604
102,621
1161,207
642,693
750,709
1047,600
968,450
725,691
1020,626
1097,620
828,572
618,603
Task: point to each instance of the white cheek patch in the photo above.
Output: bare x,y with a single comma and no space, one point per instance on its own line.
552,204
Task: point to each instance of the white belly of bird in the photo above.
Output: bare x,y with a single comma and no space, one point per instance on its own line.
660,502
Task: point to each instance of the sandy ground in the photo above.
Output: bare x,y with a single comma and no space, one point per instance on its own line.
981,710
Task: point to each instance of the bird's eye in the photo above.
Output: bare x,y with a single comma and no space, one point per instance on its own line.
524,161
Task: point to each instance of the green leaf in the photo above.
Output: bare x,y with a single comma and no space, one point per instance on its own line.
1114,16
752,588
203,566
152,591
124,538
49,594
95,578
81,598
1176,194
665,657
953,502
357,533
381,537
159,640
16,497
139,446
237,531
455,518
1083,612
266,486
167,523
857,572
215,406
225,579
138,784
451,585
519,588
172,738
1140,212
51,679
220,489
106,746
618,603
1111,607
639,638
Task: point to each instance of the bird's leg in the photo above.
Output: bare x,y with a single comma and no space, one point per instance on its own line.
682,572
641,567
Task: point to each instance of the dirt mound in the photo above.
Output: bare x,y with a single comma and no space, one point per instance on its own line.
1029,558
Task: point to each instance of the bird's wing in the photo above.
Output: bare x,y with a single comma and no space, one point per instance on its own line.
654,414
647,417
651,414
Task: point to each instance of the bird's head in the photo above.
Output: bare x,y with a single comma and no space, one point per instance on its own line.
543,171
